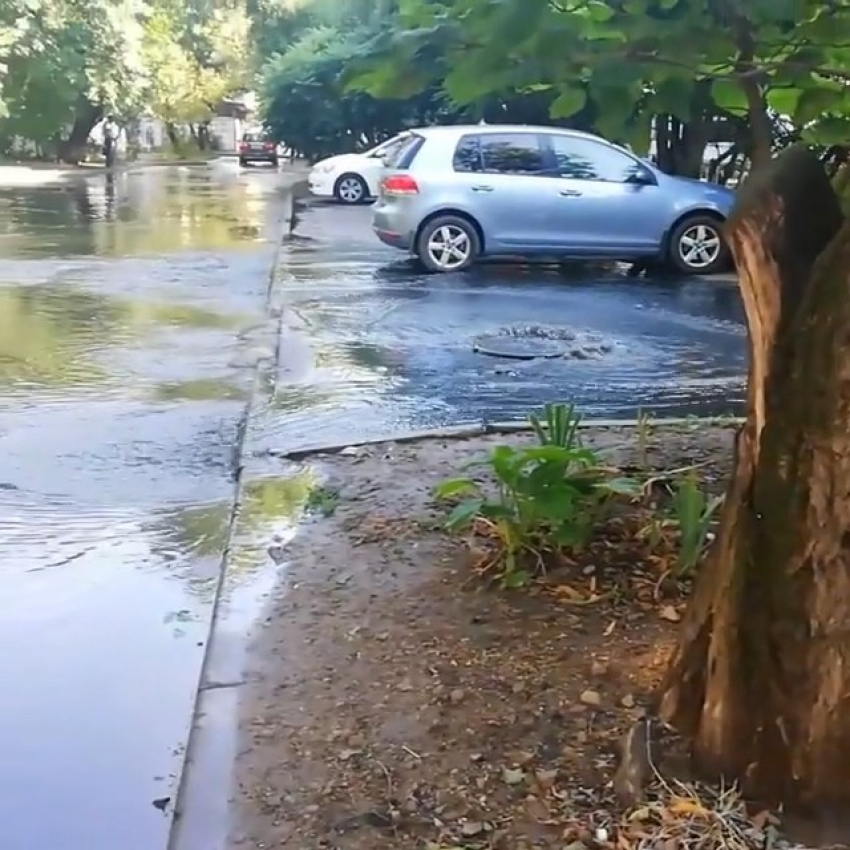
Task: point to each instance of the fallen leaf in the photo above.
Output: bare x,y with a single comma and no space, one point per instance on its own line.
609,629
683,806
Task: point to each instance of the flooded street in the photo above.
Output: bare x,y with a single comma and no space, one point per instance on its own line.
158,349
133,314
391,349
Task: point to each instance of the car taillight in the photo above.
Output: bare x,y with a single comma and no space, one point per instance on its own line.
269,146
400,184
244,146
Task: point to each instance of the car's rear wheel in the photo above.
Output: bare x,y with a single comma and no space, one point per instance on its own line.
351,189
243,163
697,246
448,243
275,162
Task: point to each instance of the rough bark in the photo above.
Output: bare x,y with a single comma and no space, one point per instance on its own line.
760,679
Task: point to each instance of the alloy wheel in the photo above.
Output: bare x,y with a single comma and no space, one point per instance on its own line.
449,247
350,190
700,246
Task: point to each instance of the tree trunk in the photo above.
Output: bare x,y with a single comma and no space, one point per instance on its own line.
173,136
760,679
761,129
73,150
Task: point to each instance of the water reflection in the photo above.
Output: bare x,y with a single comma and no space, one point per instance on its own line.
152,212
60,337
120,414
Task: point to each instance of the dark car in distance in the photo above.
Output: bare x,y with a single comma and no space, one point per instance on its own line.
256,147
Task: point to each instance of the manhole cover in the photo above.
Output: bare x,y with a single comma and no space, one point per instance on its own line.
519,347
533,342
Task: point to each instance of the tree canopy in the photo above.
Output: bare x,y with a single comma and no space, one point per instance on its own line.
66,63
757,74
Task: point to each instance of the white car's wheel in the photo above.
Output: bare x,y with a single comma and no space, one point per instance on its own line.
351,189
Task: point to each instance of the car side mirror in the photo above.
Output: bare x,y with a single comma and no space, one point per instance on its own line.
643,176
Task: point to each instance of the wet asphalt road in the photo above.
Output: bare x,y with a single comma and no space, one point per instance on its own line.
389,349
132,320
139,339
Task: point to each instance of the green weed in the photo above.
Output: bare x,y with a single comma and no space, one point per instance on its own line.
322,500
694,512
548,497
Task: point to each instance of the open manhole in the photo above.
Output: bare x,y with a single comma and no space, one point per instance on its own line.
536,342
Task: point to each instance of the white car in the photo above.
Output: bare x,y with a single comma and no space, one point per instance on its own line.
352,178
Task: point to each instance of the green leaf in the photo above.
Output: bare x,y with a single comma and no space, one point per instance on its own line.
622,486
515,579
568,103
814,102
728,95
673,96
464,514
454,487
784,100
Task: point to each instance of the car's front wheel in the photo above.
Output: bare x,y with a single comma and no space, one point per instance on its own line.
351,189
697,246
448,243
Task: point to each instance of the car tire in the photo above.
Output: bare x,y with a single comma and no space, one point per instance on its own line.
697,246
275,163
351,189
243,163
460,241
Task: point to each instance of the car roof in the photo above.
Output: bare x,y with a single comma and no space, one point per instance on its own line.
488,129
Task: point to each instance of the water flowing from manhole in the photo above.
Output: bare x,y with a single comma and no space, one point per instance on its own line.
535,342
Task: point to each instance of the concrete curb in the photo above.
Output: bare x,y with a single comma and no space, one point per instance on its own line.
466,432
190,791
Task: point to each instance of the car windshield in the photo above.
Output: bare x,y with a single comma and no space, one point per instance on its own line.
254,137
386,147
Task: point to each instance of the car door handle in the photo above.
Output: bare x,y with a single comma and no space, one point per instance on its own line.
482,188
570,193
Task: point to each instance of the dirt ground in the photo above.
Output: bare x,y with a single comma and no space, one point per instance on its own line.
397,702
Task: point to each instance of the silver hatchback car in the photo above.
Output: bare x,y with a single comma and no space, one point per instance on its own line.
450,195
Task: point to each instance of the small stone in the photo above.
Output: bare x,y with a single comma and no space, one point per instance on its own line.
513,776
457,696
345,755
628,701
472,828
598,667
669,613
350,451
591,698
522,758
576,845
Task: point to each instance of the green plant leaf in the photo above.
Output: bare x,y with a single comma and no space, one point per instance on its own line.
728,95
455,487
569,102
515,579
463,514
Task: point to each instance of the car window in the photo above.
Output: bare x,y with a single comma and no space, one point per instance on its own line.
401,155
467,157
512,153
386,148
585,159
